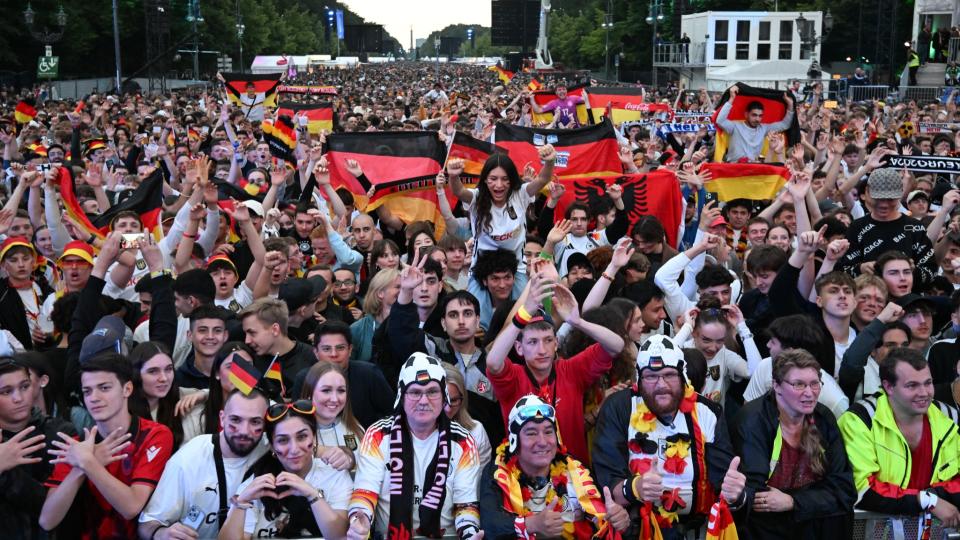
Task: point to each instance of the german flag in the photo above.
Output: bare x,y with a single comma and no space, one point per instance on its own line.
753,181
774,110
146,201
626,103
402,165
586,151
720,525
504,75
25,111
546,96
644,194
474,154
534,85
266,84
243,375
274,373
281,137
319,115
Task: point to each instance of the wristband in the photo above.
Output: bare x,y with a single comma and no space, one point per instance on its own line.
190,236
518,322
524,315
159,273
928,499
315,498
628,493
606,276
545,256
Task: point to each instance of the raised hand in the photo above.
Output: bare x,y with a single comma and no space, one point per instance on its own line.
353,167
565,304
733,482
622,253
615,191
547,153
151,252
412,276
617,515
559,231
837,249
890,312
17,450
708,215
455,167
733,314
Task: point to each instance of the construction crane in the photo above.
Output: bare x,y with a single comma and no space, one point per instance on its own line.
544,61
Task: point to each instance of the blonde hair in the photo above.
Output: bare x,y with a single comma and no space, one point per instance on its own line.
268,311
455,378
372,304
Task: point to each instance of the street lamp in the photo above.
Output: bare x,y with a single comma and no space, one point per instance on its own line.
607,25
654,17
45,36
470,37
240,28
195,17
808,34
436,52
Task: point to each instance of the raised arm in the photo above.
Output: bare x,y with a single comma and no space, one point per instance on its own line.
549,157
539,290
454,170
621,256
566,306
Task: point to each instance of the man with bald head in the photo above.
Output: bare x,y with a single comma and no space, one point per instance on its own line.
363,230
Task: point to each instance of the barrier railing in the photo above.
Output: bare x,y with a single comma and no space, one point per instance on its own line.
868,92
954,49
680,54
926,94
870,526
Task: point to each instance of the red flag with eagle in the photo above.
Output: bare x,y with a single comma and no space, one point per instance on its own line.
586,151
401,166
266,84
774,110
146,201
319,115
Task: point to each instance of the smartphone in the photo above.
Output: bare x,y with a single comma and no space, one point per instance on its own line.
710,197
205,129
130,241
157,130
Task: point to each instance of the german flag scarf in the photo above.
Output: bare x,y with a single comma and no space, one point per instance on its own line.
400,466
564,471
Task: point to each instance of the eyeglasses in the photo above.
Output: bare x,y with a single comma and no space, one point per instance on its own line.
344,283
279,410
416,395
669,377
328,349
456,401
528,412
801,386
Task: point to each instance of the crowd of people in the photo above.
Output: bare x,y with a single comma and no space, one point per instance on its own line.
290,365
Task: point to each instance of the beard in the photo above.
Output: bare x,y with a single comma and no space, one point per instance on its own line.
668,410
241,445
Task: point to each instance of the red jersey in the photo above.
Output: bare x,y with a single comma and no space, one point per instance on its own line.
564,390
150,447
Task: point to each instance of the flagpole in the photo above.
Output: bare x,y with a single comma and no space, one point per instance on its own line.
116,43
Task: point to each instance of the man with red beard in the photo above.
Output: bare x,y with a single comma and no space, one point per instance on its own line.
75,266
677,454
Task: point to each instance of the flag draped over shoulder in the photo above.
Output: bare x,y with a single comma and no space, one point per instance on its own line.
586,151
474,154
281,137
146,201
505,75
774,110
266,84
753,181
546,96
319,115
626,104
401,165
654,193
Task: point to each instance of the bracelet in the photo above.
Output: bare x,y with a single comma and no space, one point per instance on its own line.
524,315
628,493
158,529
91,238
518,322
191,236
159,273
235,503
315,498
607,276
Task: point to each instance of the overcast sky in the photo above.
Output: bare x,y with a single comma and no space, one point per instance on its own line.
397,16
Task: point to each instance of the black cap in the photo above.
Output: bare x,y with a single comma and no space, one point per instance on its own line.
319,285
296,292
911,299
578,259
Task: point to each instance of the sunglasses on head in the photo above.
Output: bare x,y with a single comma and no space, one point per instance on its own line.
279,410
536,411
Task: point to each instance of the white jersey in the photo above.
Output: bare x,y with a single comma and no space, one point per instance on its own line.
242,297
188,490
335,485
508,225
182,345
577,244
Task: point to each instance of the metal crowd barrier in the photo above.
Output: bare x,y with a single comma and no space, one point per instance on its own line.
868,92
873,526
954,49
925,94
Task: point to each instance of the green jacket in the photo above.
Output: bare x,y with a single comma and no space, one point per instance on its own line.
880,456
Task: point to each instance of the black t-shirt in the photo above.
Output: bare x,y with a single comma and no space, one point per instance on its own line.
299,358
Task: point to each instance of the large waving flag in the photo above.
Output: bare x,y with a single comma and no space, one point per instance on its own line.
25,111
401,165
546,96
266,84
755,181
504,75
319,115
774,110
281,136
146,201
474,154
626,104
586,151
644,194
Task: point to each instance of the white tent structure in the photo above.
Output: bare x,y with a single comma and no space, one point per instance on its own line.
760,74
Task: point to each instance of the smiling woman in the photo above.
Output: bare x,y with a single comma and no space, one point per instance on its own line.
154,396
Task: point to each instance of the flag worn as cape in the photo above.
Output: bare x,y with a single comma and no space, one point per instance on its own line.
474,154
146,201
319,115
266,83
774,110
24,112
281,137
626,103
504,75
402,165
755,181
586,151
654,194
546,96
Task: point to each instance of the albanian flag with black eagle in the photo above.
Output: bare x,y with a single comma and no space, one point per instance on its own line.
774,110
402,166
281,137
587,151
266,84
319,115
474,154
146,201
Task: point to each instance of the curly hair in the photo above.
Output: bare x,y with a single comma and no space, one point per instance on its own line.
491,262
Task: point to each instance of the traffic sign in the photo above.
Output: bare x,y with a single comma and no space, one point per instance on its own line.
48,67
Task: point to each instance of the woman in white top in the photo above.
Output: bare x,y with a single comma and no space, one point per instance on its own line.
338,432
711,328
456,410
289,493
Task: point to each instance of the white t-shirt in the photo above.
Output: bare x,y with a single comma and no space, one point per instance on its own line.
30,297
335,485
839,349
253,106
188,489
508,225
46,310
242,297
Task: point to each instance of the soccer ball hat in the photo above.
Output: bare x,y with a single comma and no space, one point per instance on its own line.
528,407
659,352
421,368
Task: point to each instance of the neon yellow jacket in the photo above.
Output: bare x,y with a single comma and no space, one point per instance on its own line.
880,455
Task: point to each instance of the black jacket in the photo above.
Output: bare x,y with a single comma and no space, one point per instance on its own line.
13,314
22,492
821,511
869,238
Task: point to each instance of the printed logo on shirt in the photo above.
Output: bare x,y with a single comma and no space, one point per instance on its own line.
562,159
714,372
141,264
350,441
234,306
482,387
152,452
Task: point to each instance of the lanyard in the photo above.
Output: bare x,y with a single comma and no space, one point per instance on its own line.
221,481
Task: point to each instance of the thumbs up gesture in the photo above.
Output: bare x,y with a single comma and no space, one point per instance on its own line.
733,482
651,486
617,516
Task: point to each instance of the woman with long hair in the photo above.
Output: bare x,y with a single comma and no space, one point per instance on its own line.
456,410
381,294
383,255
420,235
155,394
712,325
288,492
799,481
338,431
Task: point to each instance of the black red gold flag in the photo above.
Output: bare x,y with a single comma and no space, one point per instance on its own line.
587,151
